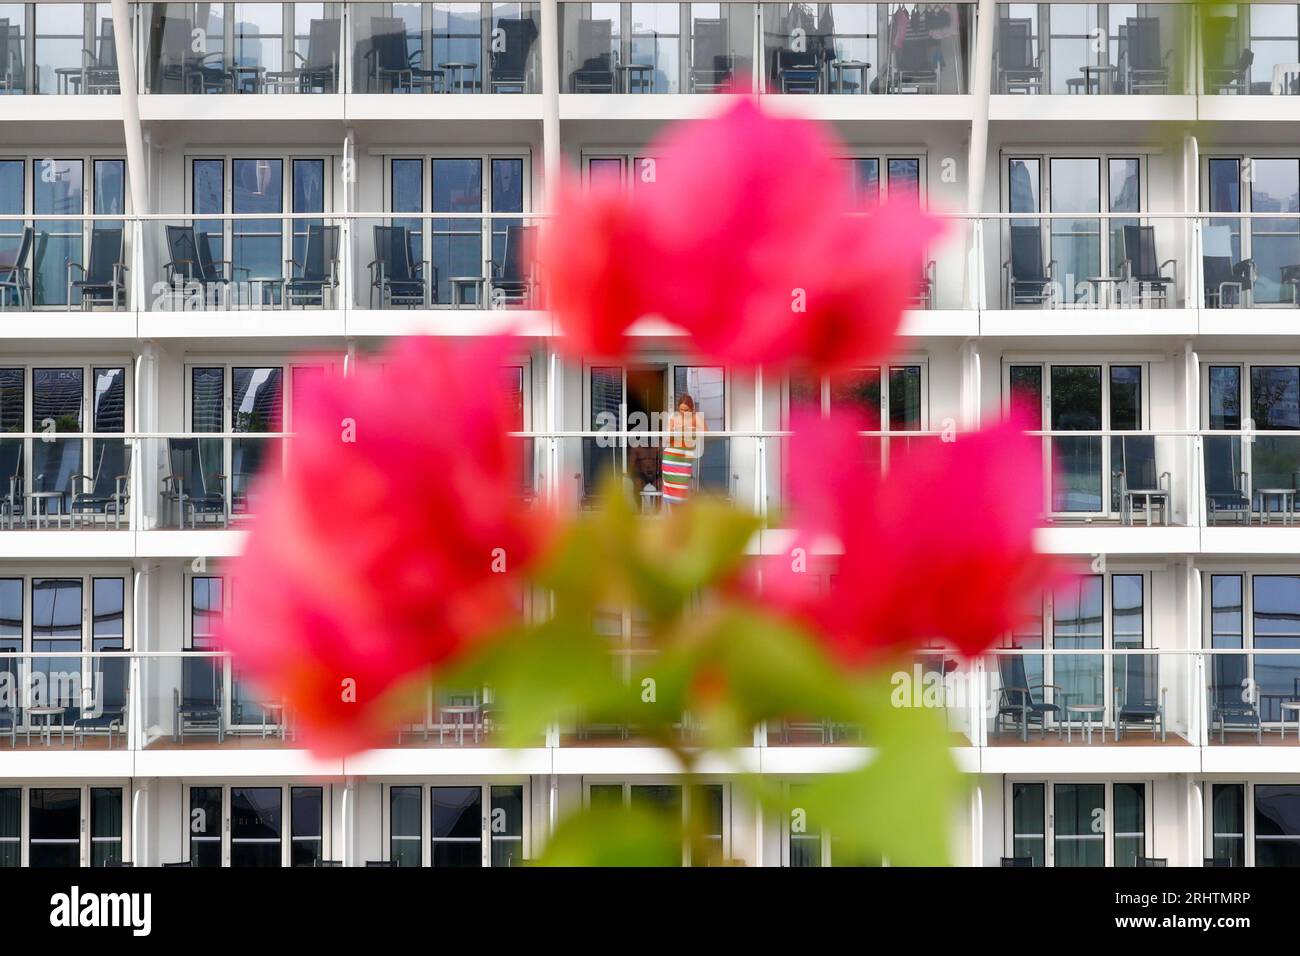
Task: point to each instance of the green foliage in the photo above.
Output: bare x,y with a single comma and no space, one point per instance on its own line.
725,661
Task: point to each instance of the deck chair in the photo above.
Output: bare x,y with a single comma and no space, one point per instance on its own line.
109,716
1230,79
103,279
177,68
1142,269
15,282
915,66
1026,281
1135,478
197,704
12,499
108,492
390,66
1228,283
1145,69
508,67
595,70
711,65
189,486
1017,861
13,74
100,67
318,70
1230,706
512,280
800,71
398,280
1018,69
190,260
1017,704
1227,485
318,270
1137,701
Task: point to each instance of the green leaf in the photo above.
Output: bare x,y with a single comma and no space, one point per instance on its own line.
615,837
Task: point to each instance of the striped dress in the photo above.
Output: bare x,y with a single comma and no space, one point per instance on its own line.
677,466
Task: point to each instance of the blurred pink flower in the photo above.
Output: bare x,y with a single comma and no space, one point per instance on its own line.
390,541
941,547
758,256
741,233
596,268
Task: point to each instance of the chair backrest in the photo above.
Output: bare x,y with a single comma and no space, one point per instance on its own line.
183,248
110,683
200,681
709,44
1017,861
917,53
23,254
1223,465
11,43
1015,43
1027,252
313,257
1216,256
11,463
1144,43
106,49
1137,459
1138,676
393,249
323,45
177,37
1228,681
113,460
594,40
1150,861
105,252
185,458
518,36
388,40
1140,250
1011,669
514,268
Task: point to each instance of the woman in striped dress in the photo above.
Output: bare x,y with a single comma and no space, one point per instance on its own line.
681,450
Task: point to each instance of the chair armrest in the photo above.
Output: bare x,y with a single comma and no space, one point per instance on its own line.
74,265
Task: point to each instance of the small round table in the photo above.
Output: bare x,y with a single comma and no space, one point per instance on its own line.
277,711
460,69
1086,713
460,712
636,77
1285,500
48,497
840,67
1290,707
49,713
458,283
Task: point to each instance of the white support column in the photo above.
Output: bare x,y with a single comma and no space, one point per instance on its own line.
550,39
140,822
981,85
136,170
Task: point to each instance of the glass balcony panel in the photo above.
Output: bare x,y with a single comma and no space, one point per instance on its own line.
1086,48
661,48
258,262
195,481
454,261
1069,694
446,48
56,698
250,48
57,48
